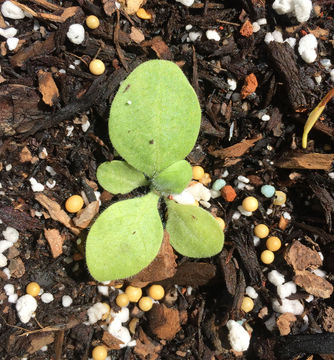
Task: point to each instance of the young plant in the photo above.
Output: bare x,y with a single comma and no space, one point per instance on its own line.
154,123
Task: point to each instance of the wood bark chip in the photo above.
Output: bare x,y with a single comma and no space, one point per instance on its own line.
159,47
137,35
243,241
36,49
55,241
284,322
111,341
235,150
164,322
18,104
146,348
47,87
327,202
229,271
56,212
86,215
328,320
300,257
161,268
312,161
47,5
109,6
313,284
249,86
285,64
37,341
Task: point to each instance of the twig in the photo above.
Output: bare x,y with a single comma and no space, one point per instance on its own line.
46,4
227,22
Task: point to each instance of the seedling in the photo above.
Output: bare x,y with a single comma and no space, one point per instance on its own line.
154,123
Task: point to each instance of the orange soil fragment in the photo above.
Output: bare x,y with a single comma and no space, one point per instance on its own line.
228,193
284,323
250,85
246,29
55,241
47,87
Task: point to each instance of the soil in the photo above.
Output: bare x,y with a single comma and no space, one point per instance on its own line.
54,113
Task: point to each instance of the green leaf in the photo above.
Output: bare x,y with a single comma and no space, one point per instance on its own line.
193,231
174,179
118,177
124,239
155,117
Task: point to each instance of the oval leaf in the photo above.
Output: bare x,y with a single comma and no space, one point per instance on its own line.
124,239
174,179
118,177
193,231
155,117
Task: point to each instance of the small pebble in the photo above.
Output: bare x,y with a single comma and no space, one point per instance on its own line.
66,301
76,33
212,35
265,117
280,198
243,179
218,184
244,212
268,191
47,298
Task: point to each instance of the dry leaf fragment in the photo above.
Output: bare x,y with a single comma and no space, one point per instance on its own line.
249,86
236,150
314,284
312,161
56,212
146,348
300,257
86,215
55,241
159,47
164,322
25,155
47,87
136,35
284,322
37,341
